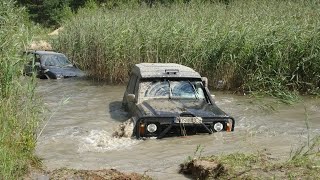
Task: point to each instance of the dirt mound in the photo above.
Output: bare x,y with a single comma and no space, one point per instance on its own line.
110,174
40,45
56,32
125,129
202,169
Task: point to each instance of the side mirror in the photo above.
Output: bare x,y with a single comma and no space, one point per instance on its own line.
131,98
204,81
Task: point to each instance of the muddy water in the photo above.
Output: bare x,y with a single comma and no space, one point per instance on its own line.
80,117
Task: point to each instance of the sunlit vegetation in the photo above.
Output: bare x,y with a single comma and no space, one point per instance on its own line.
18,110
304,162
268,46
51,13
264,46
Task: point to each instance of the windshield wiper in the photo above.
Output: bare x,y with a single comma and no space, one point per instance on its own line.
194,89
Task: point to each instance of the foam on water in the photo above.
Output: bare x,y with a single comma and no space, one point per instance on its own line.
95,140
102,141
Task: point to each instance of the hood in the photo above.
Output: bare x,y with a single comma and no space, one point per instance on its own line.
67,71
169,107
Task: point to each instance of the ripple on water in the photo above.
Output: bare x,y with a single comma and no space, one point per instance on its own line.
61,134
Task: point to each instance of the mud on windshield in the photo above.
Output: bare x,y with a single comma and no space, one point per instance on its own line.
172,89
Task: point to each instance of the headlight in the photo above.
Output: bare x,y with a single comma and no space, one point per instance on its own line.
218,126
152,128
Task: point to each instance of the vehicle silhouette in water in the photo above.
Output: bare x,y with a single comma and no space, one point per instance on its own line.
50,65
167,99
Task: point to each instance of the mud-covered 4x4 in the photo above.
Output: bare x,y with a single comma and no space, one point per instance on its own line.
166,99
49,65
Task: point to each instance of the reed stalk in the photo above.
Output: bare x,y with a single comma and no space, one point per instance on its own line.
18,107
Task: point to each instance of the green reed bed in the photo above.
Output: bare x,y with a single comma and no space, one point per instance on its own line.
271,46
18,110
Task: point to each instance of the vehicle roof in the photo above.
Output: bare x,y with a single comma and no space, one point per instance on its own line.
160,70
41,52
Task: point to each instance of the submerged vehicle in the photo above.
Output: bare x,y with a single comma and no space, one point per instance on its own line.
167,99
50,65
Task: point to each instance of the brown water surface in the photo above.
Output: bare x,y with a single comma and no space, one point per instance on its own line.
80,117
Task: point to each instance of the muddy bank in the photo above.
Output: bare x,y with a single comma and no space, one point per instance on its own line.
64,173
40,45
303,164
203,169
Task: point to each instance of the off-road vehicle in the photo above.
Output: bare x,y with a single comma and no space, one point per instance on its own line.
49,65
167,99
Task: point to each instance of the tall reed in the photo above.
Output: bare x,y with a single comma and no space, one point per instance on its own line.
18,110
251,45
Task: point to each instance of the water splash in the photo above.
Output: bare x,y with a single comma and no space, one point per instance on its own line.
125,129
102,141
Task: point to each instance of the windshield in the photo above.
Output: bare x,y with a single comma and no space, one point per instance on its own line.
172,89
59,60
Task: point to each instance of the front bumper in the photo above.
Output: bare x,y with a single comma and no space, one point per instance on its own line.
169,126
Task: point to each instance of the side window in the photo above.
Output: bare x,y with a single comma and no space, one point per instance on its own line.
132,84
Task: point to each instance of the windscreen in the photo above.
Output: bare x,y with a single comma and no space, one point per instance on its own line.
55,60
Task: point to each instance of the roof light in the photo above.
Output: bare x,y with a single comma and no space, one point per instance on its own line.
171,71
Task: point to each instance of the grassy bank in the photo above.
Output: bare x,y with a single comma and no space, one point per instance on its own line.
304,163
270,46
18,111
